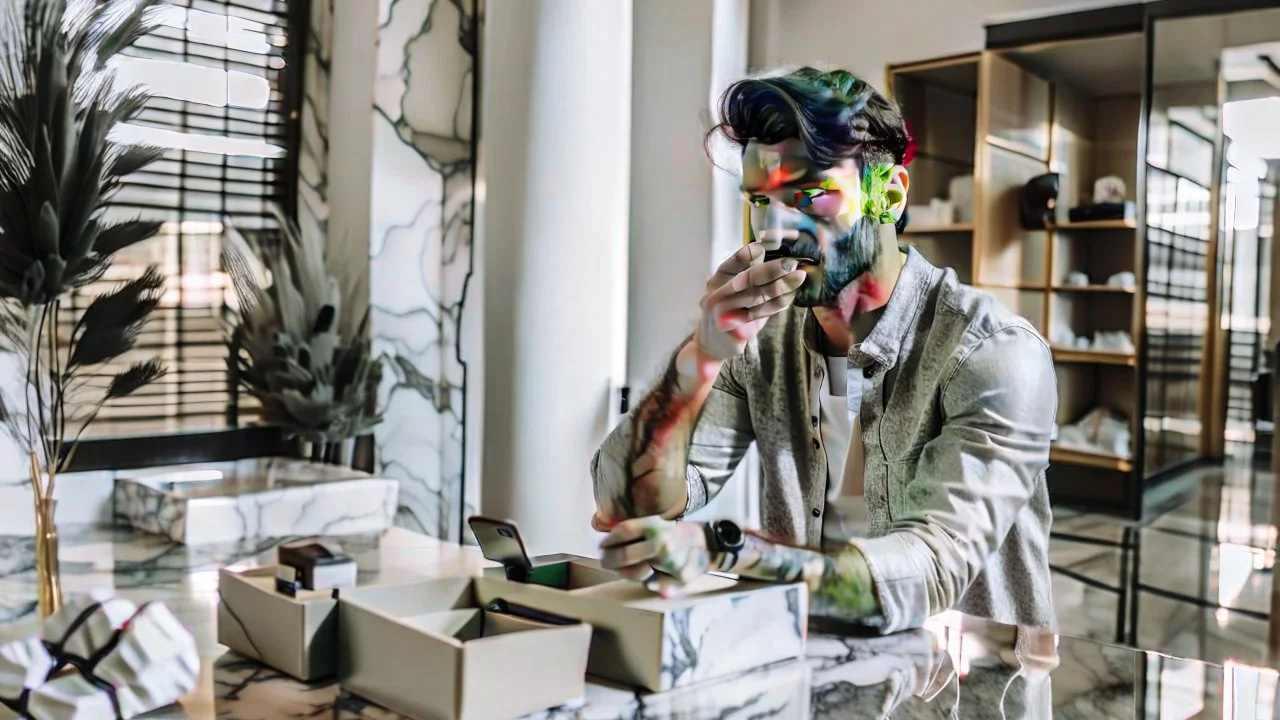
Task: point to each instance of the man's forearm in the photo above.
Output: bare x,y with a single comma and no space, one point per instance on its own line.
840,584
652,476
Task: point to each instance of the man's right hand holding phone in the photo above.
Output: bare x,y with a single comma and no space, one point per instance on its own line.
740,297
742,294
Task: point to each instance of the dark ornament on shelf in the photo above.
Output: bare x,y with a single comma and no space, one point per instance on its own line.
1036,205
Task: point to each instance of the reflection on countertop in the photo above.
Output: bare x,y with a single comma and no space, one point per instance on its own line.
956,667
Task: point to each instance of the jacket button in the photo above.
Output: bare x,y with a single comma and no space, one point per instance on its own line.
869,371
814,421
817,512
817,445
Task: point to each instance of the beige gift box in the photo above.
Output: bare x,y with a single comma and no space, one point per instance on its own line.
295,635
435,650
298,635
720,627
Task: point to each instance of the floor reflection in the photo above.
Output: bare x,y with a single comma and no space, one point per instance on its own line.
1194,580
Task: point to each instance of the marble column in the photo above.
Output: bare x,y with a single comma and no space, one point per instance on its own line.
420,253
556,127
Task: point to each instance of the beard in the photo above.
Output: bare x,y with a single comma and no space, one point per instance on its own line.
848,257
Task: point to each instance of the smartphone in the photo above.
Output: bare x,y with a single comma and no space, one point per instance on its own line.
500,542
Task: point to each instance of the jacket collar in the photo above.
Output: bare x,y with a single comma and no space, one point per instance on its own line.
884,342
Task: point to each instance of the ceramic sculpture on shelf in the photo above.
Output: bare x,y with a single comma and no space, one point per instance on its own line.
101,657
59,105
301,344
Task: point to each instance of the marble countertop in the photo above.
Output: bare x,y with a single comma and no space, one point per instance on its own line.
957,666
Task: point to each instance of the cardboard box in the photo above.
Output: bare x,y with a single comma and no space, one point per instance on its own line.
295,635
298,635
433,650
722,626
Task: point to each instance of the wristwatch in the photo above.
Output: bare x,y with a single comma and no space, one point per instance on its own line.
724,541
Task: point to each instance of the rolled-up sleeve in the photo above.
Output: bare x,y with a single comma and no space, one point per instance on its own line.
999,406
720,440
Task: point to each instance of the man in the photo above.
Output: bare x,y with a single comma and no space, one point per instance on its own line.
903,419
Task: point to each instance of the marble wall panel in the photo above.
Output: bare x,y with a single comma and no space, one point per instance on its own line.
420,252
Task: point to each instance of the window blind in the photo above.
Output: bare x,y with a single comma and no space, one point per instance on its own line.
220,71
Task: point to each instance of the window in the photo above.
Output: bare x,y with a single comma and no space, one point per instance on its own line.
222,73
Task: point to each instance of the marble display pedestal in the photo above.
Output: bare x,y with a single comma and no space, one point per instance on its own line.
255,498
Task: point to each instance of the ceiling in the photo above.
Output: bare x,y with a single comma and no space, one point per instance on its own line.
1187,51
1101,67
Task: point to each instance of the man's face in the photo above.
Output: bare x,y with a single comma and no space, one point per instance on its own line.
810,213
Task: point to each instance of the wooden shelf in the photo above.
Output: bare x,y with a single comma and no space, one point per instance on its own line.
1021,287
912,229
1073,456
1072,355
1126,290
1095,225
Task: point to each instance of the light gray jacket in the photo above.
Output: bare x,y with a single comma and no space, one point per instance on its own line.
956,426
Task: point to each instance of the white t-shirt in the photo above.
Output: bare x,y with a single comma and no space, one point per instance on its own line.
841,398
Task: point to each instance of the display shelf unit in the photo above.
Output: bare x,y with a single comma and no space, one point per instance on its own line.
939,99
1032,111
1042,112
1123,289
1100,357
1094,225
920,229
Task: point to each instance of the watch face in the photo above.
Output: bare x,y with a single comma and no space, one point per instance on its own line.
729,533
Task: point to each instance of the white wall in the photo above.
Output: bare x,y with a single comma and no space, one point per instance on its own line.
685,213
863,37
671,180
556,129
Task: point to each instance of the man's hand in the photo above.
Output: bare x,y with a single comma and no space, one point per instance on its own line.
652,478
743,293
678,552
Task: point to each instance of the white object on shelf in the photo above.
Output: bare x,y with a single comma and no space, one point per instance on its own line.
1100,431
1062,337
943,211
922,215
1077,278
1108,189
960,191
1119,341
1122,279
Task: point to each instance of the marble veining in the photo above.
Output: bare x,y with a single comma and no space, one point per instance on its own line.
262,497
421,254
730,634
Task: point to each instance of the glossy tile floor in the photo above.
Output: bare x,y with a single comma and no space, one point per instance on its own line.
1203,578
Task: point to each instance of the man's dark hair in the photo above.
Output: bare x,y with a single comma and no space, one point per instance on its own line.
836,115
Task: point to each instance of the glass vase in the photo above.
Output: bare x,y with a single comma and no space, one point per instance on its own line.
48,576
